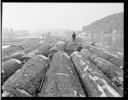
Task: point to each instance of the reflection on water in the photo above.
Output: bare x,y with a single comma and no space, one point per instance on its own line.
5,46
114,41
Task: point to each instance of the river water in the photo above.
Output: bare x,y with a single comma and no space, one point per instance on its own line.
5,46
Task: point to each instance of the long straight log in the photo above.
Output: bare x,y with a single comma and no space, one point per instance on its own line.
118,62
26,81
44,49
72,46
59,46
9,67
16,55
95,83
61,80
114,73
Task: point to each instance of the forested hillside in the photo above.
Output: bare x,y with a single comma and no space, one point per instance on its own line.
110,24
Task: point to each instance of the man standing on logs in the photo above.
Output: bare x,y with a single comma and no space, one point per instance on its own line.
73,36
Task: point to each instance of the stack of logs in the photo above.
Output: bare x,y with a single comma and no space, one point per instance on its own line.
51,71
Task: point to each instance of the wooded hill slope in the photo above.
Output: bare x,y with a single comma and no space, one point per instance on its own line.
110,24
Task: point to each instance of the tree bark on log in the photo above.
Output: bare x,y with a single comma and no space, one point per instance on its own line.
96,84
114,73
61,80
27,80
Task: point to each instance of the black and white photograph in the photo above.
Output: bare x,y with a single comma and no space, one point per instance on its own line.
62,49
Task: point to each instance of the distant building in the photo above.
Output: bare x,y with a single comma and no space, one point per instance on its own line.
21,33
45,35
5,33
8,34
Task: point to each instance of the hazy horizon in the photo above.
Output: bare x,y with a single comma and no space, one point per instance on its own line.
71,16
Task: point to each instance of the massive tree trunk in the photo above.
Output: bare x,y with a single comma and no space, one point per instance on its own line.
16,55
114,73
61,79
44,49
95,83
9,67
72,46
27,80
118,62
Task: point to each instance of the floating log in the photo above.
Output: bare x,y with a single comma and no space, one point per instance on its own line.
95,83
59,46
9,67
29,47
44,49
72,46
114,73
26,81
118,62
16,55
11,49
61,80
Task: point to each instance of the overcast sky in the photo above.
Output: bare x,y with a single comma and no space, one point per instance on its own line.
34,16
